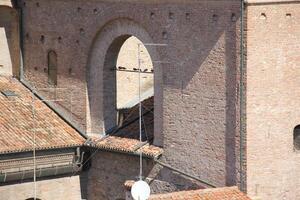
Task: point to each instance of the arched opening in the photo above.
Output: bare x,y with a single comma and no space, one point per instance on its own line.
106,113
297,137
52,68
128,80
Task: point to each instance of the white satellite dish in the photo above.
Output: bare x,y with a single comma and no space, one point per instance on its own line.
140,190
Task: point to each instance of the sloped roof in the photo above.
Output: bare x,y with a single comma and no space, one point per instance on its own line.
18,124
226,193
124,145
136,100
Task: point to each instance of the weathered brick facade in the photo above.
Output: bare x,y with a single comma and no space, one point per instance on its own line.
197,86
196,99
273,36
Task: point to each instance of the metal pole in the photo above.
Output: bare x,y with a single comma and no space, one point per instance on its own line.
140,110
34,142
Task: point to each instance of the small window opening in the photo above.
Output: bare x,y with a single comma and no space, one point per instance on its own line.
215,17
263,16
42,39
171,15
81,30
297,137
27,36
233,17
165,35
52,68
187,16
152,15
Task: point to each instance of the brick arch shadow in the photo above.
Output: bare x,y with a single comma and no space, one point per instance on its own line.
101,80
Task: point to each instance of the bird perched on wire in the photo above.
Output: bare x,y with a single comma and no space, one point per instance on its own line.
145,70
135,69
152,70
121,68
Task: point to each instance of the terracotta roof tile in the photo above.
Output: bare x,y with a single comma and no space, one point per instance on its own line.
226,193
17,125
125,145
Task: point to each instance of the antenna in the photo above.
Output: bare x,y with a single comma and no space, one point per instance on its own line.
140,189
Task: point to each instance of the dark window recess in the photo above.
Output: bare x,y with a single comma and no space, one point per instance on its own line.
297,137
52,68
215,17
187,16
152,15
42,39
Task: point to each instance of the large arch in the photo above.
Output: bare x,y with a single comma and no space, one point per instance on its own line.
102,82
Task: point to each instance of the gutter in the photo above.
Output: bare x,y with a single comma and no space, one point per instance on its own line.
21,73
42,172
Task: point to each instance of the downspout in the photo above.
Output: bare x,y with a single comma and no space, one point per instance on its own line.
21,42
242,122
20,12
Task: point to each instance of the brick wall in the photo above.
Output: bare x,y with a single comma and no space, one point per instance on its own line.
196,98
67,188
273,36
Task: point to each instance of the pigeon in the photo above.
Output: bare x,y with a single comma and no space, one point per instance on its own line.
121,68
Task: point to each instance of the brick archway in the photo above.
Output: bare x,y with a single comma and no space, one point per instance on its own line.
102,82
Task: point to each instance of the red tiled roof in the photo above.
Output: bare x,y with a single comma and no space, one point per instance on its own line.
17,125
125,145
226,193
